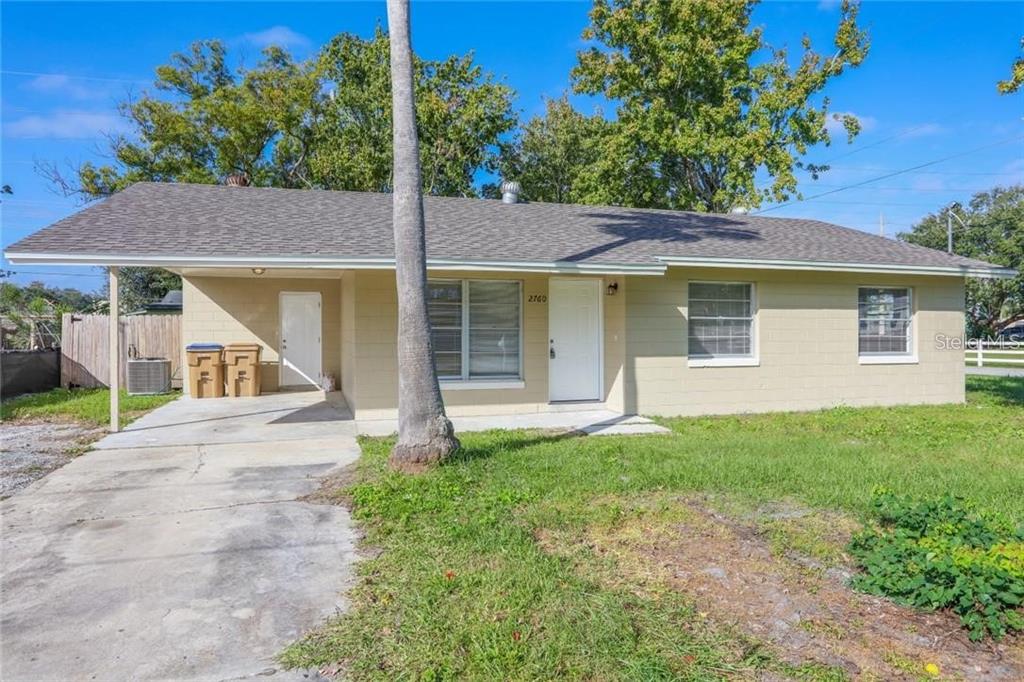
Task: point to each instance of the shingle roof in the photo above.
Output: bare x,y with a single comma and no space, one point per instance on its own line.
164,219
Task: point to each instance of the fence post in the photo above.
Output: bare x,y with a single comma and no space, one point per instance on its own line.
980,346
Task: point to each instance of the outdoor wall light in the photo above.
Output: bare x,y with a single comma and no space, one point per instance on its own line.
258,271
612,288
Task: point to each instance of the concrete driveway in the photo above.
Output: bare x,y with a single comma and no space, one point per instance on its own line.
179,549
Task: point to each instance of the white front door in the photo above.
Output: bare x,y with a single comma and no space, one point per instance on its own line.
300,339
574,343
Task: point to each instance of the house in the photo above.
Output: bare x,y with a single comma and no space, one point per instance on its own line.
534,305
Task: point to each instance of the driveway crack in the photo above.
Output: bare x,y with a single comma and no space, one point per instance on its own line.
181,511
200,454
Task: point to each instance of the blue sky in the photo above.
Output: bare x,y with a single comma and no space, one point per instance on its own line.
926,91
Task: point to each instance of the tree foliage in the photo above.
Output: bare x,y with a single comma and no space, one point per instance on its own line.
1016,79
704,103
138,286
461,112
994,233
323,122
553,153
33,312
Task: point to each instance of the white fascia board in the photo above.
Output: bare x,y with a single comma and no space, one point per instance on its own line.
329,263
816,266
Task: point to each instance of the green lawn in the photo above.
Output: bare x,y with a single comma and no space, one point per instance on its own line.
463,587
88,405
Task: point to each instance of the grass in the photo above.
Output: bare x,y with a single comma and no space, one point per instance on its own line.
86,405
464,587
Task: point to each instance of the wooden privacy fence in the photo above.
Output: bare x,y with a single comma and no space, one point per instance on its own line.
85,354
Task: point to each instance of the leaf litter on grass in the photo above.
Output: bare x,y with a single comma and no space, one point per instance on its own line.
778,575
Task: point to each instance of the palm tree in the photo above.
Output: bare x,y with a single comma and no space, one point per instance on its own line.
425,435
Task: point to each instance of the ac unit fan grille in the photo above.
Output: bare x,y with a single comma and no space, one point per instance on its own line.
146,377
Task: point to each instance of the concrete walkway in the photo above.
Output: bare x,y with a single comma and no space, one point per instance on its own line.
590,421
179,550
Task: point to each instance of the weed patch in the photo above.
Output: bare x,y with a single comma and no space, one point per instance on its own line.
944,554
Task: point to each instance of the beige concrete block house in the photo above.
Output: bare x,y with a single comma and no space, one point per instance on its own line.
539,305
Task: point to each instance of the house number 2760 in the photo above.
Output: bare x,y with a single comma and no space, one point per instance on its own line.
537,298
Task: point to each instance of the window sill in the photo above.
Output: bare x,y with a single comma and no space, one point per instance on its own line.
887,359
723,362
481,384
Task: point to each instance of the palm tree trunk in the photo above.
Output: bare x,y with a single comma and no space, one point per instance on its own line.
425,435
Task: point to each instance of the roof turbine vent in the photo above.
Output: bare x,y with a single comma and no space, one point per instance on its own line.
237,180
510,190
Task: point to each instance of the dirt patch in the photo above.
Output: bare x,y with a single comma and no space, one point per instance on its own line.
780,576
33,449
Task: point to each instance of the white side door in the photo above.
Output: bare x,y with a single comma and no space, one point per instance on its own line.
301,354
574,343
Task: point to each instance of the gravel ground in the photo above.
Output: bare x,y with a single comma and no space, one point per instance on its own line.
33,449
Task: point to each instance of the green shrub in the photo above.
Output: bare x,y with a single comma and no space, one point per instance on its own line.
944,554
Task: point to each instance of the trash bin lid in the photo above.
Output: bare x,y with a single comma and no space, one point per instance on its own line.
204,346
243,346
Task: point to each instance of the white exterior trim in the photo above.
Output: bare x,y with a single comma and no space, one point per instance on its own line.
560,267
723,362
908,358
752,360
888,359
332,263
754,263
475,384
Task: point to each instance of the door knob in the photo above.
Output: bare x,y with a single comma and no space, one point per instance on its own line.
552,352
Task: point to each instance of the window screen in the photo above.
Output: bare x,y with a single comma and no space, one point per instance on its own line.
884,321
475,327
721,320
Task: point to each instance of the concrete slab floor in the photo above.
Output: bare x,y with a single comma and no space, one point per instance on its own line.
173,561
288,415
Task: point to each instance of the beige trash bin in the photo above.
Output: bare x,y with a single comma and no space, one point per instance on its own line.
242,362
205,370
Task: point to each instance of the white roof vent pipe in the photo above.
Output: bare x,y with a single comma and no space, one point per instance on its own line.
510,190
740,210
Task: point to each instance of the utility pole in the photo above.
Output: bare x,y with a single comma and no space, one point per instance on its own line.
881,224
949,225
949,230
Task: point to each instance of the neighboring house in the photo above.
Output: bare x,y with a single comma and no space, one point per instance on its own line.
642,311
170,304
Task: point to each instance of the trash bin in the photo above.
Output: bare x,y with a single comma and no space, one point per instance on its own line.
242,364
205,370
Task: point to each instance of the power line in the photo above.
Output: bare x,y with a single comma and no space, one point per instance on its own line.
892,174
38,74
867,169
881,203
914,189
879,142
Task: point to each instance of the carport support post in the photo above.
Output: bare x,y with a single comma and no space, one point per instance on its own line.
115,342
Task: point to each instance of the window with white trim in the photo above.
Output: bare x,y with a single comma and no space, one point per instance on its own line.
884,319
721,320
475,327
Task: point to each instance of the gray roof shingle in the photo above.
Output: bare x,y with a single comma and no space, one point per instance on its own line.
165,219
